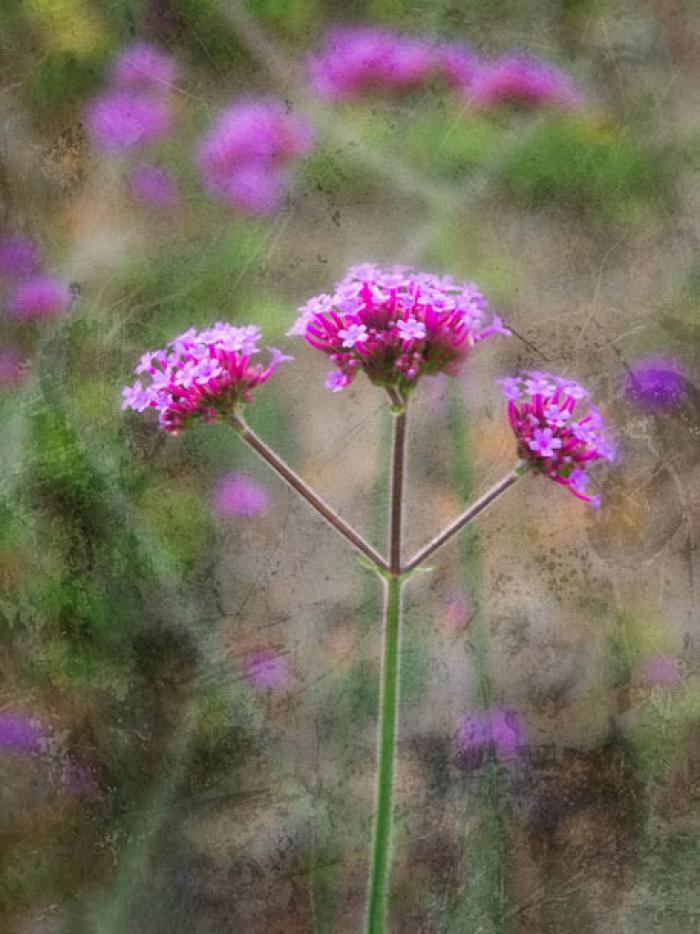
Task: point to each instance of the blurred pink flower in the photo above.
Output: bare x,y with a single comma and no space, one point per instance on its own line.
143,67
19,257
119,121
154,186
457,611
499,733
663,669
40,297
267,670
355,59
21,734
656,384
240,495
522,81
240,157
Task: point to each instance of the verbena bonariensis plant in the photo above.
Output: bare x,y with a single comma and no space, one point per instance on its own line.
395,325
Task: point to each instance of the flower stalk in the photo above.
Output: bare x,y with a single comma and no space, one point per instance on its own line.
293,480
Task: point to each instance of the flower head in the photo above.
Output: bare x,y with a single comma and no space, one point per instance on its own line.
154,186
40,297
355,59
497,733
120,121
240,158
656,384
143,67
556,434
457,64
240,495
19,257
522,81
396,325
203,375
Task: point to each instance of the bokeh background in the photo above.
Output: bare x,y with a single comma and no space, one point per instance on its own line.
188,671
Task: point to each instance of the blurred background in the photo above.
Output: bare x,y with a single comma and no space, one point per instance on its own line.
189,659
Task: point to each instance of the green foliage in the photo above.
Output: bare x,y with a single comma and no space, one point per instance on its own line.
588,166
294,19
62,79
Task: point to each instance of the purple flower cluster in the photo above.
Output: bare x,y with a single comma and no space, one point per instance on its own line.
354,60
241,158
154,186
204,375
135,110
554,436
497,733
29,293
396,325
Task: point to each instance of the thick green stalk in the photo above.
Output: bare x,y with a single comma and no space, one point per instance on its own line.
389,684
386,752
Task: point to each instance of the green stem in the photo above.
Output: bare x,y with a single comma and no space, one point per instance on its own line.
388,721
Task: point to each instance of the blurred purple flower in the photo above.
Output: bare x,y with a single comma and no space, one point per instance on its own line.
120,121
498,733
21,734
656,384
522,81
239,158
457,611
11,368
154,186
255,189
240,495
19,257
143,67
355,59
663,669
40,297
267,670
457,64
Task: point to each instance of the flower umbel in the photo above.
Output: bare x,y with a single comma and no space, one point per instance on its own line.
555,436
396,324
204,375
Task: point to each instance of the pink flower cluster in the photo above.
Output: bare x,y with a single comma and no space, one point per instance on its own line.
30,294
354,60
135,110
554,435
396,325
241,159
240,495
204,375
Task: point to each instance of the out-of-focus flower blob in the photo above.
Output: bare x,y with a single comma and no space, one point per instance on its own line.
143,67
240,495
522,81
656,384
40,297
267,670
155,187
121,121
19,257
240,157
497,733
